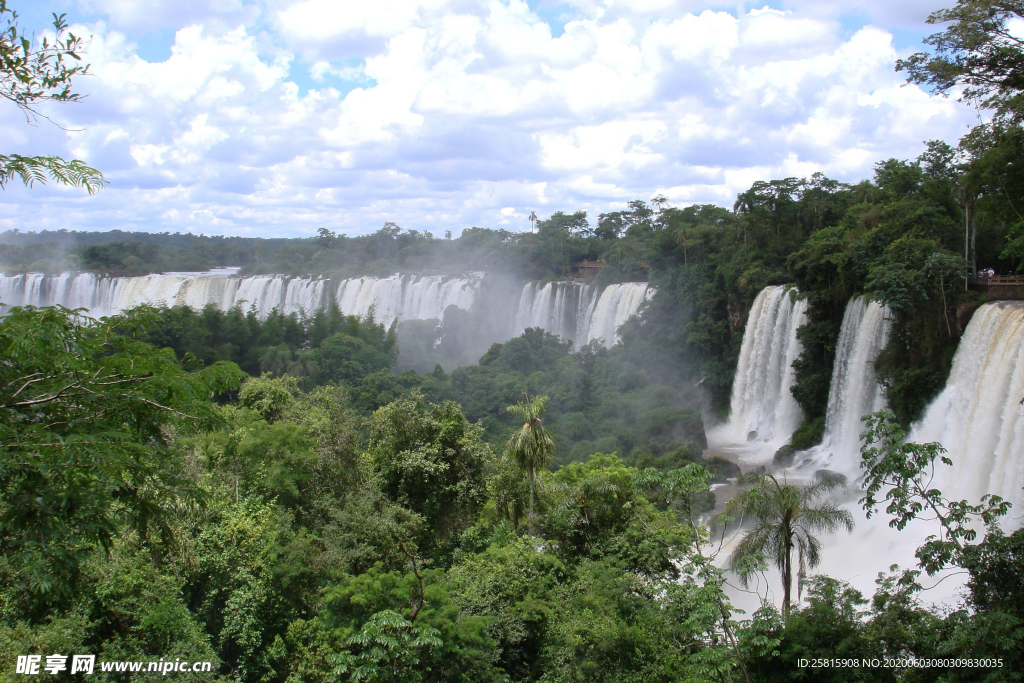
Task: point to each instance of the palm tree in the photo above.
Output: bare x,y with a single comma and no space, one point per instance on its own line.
784,516
533,220
530,446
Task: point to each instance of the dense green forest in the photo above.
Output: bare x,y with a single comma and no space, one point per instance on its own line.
276,497
343,523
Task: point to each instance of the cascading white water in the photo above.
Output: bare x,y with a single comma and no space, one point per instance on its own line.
561,308
572,310
616,305
762,407
106,295
405,296
855,390
400,296
578,311
978,417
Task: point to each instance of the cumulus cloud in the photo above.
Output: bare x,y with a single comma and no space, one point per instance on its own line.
276,117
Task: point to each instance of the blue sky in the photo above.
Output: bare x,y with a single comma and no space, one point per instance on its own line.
276,117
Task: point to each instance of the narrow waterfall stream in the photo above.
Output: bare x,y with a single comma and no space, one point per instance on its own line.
763,413
561,308
577,311
854,391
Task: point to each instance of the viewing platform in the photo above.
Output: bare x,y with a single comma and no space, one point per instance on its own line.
998,286
589,268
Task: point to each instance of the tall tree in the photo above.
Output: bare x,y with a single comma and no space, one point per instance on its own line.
430,459
530,446
977,50
784,517
86,410
33,73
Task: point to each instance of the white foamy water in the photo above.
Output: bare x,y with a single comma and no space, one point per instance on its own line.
762,411
978,417
572,310
857,558
578,311
615,306
407,297
400,296
855,390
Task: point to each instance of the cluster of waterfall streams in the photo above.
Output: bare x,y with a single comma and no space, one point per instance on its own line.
572,310
763,413
578,311
397,296
978,418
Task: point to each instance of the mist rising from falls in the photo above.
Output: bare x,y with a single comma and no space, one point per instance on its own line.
978,417
762,407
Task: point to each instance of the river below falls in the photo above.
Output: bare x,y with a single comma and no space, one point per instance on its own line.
856,557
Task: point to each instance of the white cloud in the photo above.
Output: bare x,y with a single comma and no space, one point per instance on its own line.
277,117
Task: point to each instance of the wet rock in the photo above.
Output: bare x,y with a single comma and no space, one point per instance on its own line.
785,456
822,475
721,469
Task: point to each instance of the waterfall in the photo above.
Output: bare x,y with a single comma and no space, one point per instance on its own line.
616,305
854,391
577,311
978,417
762,406
572,310
400,296
405,296
561,308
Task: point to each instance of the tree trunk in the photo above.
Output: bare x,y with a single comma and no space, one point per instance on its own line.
531,508
787,579
974,239
967,241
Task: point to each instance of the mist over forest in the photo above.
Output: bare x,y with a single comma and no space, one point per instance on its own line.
777,441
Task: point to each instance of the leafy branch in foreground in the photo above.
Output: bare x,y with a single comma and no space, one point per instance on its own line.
390,648
42,72
34,72
900,474
698,599
32,170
